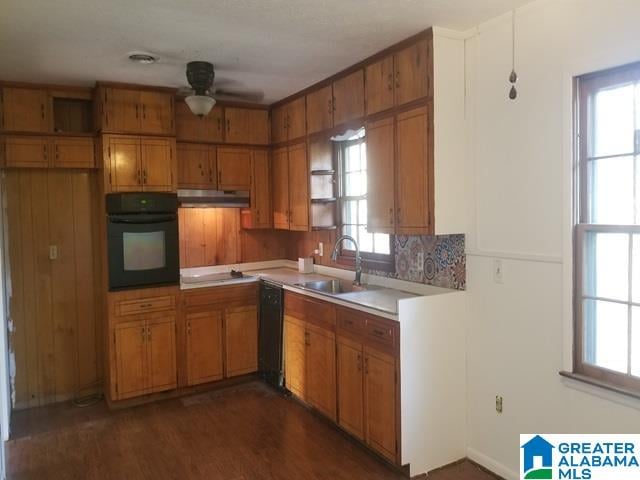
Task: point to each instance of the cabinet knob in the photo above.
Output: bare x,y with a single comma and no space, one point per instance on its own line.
228,125
42,110
398,216
390,81
398,79
359,362
366,366
330,109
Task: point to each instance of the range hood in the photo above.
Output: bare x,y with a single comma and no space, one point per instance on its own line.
213,198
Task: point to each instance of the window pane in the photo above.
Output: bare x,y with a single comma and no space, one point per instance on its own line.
605,334
355,184
350,212
611,195
381,243
606,265
613,119
362,212
635,263
635,341
352,160
365,239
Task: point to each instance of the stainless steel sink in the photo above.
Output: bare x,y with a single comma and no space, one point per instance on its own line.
336,287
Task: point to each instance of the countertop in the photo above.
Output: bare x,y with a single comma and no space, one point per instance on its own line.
381,301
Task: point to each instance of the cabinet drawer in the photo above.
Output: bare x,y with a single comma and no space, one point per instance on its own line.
247,294
380,331
309,309
351,321
145,305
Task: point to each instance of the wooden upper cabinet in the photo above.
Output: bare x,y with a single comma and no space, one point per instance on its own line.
234,168
320,107
157,114
321,369
279,124
136,111
414,173
25,110
413,72
247,126
280,188
348,98
296,122
131,359
350,387
158,164
124,163
190,127
298,188
27,151
294,352
379,85
380,402
196,165
241,340
380,176
72,152
260,212
204,347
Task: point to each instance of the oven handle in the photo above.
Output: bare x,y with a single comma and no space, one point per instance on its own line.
141,219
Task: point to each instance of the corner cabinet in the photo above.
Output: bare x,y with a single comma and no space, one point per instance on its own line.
143,164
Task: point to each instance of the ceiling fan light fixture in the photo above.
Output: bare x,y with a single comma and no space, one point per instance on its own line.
200,105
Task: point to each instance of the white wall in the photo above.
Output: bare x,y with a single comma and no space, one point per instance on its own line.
520,161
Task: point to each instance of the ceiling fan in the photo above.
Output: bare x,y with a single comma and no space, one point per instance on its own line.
202,95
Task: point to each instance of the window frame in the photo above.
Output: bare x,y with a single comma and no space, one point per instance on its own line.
584,88
373,261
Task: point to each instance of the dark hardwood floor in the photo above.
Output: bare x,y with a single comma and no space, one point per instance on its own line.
246,432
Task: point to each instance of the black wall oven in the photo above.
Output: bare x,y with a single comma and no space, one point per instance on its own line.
142,240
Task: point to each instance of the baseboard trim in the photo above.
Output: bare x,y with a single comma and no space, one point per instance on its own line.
491,464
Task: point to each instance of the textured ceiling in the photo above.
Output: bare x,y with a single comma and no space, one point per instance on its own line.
278,46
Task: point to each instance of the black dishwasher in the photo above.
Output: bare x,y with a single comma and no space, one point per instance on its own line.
270,338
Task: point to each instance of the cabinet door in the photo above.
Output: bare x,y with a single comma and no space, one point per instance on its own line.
298,188
350,387
158,164
161,354
121,111
348,98
380,176
193,241
191,127
26,151
379,85
157,113
296,119
321,370
413,173
25,110
279,124
237,120
131,359
258,120
196,165
261,189
234,168
71,152
241,340
320,110
126,169
204,347
412,72
380,402
295,370
280,183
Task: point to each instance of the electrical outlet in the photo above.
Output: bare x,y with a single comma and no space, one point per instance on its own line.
498,404
498,276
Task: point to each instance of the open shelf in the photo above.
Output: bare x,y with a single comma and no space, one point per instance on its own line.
72,116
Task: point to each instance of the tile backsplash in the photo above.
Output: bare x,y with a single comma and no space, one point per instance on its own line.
435,260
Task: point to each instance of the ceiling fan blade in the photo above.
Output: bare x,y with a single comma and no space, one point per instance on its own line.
240,95
185,91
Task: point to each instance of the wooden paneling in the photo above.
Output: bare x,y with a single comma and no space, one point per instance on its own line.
412,72
234,168
320,107
380,176
204,347
196,165
25,110
348,98
70,152
298,187
379,85
280,184
190,127
26,151
241,340
52,303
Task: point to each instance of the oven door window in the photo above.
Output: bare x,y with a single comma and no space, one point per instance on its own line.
143,251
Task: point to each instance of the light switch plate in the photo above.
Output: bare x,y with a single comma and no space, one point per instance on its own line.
498,272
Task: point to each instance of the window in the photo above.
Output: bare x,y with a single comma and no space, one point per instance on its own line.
375,248
607,234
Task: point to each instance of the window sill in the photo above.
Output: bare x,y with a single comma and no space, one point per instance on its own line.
629,394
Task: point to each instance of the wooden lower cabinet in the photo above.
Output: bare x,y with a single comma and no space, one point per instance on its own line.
161,354
321,369
241,340
204,347
350,387
295,366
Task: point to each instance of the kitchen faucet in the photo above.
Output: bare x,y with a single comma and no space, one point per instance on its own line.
334,256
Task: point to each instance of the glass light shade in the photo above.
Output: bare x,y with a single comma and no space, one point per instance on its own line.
200,105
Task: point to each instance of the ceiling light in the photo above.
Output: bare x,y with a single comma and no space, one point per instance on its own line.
144,58
200,105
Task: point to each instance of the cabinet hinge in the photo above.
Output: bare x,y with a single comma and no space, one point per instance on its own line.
110,182
109,151
116,388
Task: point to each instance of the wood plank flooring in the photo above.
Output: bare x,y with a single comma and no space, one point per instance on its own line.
247,432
